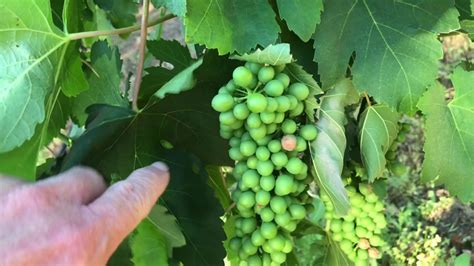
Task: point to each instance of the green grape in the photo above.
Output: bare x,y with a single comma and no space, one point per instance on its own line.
266,259
253,83
253,67
262,153
222,102
227,118
278,205
267,117
293,102
277,243
235,243
239,169
290,227
266,247
283,104
371,198
267,215
271,128
254,261
254,121
289,126
279,68
376,241
337,237
249,248
294,165
264,141
235,154
346,246
237,125
269,230
283,219
258,133
243,255
283,185
272,105
279,158
267,183
297,211
288,246
299,90
357,201
347,226
252,162
365,189
309,132
256,102
265,74
279,117
247,199
362,254
241,111
230,86
234,141
250,179
262,197
248,225
278,257
248,148
265,168
238,133
361,232
274,146
336,226
369,207
284,79
242,77
274,88
379,206
298,110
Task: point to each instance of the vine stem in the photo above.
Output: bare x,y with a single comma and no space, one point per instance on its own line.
367,99
100,33
141,60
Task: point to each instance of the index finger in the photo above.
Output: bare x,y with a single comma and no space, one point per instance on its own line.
127,202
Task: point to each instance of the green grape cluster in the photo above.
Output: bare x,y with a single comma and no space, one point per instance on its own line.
262,116
359,233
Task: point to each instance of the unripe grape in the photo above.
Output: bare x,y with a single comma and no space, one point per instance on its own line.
299,90
258,133
379,206
279,117
238,133
267,183
290,227
274,146
356,200
250,179
257,238
283,78
336,226
262,197
361,231
242,77
254,121
365,189
253,67
278,257
267,117
252,162
222,102
272,105
309,132
248,148
266,259
371,198
278,205
254,260
293,102
237,125
248,225
247,199
271,128
346,246
227,118
283,104
376,241
347,226
265,74
235,154
362,254
277,243
301,144
264,141
267,215
268,230
239,169
279,159
337,237
288,142
283,185
241,111
249,248
288,246
265,168
256,102
298,110
262,153
266,248
234,141
243,255
289,126
283,219
274,88
279,68
235,243
294,165
298,212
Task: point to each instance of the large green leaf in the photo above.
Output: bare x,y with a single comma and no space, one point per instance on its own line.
155,238
120,12
183,81
31,62
230,26
449,134
301,16
177,7
327,151
378,129
395,44
218,183
278,54
104,81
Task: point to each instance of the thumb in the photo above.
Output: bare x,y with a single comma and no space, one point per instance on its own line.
127,202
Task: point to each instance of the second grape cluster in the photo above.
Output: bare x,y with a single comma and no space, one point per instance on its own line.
262,115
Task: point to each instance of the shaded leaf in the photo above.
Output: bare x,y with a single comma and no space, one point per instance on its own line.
183,81
301,16
278,54
327,151
449,136
218,184
395,43
230,26
170,51
378,129
120,12
177,7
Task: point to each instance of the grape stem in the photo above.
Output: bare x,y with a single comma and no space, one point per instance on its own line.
367,99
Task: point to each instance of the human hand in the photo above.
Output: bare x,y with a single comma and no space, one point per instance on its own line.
69,219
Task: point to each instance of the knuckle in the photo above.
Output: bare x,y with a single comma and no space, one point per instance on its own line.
134,199
84,171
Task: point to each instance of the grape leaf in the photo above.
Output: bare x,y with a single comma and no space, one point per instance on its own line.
466,8
298,74
378,129
229,228
182,81
71,15
301,16
218,184
278,54
449,136
230,26
395,44
177,7
95,19
327,151
170,51
29,71
104,81
463,260
155,238
120,12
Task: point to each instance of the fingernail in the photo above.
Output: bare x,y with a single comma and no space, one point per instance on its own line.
161,166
